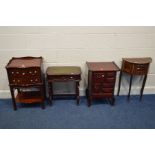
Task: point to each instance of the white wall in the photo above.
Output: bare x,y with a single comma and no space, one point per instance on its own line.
75,46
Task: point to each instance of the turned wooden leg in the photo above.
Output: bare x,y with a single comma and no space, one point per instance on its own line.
13,98
119,84
130,86
77,93
143,85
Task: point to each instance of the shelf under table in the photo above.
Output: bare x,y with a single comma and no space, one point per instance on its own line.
29,97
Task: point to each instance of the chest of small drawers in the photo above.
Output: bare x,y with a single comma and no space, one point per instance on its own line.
101,80
26,73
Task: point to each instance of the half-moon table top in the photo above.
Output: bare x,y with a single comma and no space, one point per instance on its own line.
144,60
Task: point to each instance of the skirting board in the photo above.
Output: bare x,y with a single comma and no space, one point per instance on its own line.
135,91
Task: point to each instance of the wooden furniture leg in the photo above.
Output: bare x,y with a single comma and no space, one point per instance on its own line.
50,92
13,98
143,85
131,77
51,86
43,96
89,101
77,93
45,89
113,101
119,85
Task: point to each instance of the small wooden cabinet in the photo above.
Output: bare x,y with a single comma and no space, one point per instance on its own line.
135,66
25,74
101,80
63,74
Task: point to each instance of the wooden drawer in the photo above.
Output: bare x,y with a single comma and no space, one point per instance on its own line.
102,95
104,76
111,74
99,88
25,72
107,90
99,76
108,85
140,69
24,76
127,67
64,77
110,80
25,81
96,88
136,69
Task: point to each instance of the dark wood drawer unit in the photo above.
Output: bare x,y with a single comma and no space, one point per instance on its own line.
135,66
25,74
63,74
101,80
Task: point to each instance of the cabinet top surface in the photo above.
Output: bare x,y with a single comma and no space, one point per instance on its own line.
63,70
102,66
145,60
25,62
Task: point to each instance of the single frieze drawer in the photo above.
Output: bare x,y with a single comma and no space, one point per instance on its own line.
64,77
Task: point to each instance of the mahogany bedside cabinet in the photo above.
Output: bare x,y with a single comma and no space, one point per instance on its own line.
63,74
25,74
135,66
101,81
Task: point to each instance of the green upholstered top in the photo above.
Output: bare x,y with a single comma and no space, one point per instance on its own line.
64,70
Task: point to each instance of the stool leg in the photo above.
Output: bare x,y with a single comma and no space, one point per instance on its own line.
143,85
13,98
119,84
130,86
